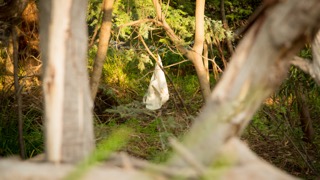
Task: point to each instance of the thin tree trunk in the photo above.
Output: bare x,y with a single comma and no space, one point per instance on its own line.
68,104
18,88
198,49
104,37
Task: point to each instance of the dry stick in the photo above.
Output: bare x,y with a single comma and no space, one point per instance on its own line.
175,89
259,132
95,32
18,92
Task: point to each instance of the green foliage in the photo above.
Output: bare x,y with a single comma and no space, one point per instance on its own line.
187,6
306,52
144,59
33,135
239,10
182,23
33,132
125,11
215,32
94,13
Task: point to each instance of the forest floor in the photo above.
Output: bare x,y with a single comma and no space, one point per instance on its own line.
277,142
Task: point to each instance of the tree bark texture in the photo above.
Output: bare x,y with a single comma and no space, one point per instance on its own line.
257,68
68,105
104,36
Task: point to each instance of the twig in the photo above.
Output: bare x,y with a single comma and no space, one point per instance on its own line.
138,22
259,132
174,64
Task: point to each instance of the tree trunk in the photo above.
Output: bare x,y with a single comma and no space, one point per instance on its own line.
18,89
104,37
68,105
197,59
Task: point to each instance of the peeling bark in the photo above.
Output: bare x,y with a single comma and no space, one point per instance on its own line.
68,105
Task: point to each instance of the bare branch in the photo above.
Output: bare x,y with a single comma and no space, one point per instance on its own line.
311,67
304,64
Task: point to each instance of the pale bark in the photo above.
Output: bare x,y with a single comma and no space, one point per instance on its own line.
68,105
198,49
104,36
